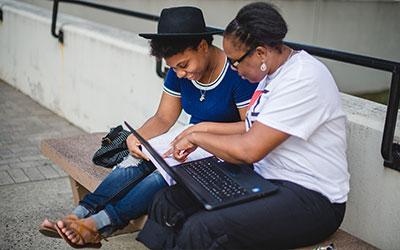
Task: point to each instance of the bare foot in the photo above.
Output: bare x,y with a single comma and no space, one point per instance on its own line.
48,228
47,223
50,224
80,231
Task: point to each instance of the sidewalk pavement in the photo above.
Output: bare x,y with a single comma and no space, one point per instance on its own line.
31,187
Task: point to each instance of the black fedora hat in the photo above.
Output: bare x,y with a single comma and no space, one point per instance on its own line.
181,21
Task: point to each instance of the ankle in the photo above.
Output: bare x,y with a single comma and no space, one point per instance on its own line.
101,219
81,212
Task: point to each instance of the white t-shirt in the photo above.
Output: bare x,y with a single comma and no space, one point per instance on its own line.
301,99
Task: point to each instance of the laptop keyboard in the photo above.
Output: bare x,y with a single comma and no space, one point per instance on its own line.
217,183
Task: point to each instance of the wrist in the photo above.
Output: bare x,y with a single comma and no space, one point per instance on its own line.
193,138
201,127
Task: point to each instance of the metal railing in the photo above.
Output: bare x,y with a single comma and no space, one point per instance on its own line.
389,149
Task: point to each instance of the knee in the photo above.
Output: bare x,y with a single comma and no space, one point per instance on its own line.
196,233
168,203
159,206
195,225
146,166
156,177
160,197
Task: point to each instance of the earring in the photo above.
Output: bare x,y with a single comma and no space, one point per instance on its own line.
263,67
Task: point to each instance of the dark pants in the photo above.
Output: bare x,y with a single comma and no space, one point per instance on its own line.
292,217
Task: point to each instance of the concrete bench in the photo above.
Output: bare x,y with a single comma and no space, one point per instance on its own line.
74,156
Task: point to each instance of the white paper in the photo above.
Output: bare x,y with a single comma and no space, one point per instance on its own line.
162,143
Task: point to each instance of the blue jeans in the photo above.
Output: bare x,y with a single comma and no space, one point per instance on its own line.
125,193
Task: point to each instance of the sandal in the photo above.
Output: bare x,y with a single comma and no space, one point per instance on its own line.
49,231
92,239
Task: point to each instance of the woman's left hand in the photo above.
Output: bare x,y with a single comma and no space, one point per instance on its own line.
181,148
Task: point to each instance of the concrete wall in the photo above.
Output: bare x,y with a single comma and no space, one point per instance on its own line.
367,27
102,76
373,210
98,77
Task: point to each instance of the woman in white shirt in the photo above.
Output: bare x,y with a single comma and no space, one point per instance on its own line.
294,135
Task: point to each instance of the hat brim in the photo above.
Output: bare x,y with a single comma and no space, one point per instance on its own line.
165,35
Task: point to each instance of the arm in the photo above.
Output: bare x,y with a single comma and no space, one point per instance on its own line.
226,128
167,113
248,147
242,112
223,128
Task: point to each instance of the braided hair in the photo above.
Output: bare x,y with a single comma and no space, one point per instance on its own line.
258,24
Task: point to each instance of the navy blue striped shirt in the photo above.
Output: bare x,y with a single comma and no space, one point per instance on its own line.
223,97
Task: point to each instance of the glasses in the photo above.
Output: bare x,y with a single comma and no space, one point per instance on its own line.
238,61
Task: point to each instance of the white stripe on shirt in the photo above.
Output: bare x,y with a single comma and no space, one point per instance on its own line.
243,104
170,92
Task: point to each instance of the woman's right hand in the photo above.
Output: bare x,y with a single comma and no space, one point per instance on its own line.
133,146
181,148
200,127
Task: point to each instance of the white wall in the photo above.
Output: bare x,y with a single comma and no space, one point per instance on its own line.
366,27
373,210
99,77
102,76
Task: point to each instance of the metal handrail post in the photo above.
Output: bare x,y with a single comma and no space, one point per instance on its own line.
54,23
387,149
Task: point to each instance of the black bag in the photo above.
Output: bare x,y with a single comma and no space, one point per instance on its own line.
113,148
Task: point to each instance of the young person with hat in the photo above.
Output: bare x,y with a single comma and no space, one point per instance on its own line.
201,82
294,134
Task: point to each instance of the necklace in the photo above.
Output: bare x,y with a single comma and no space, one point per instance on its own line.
203,92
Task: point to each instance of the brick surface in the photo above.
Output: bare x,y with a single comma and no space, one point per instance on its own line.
21,154
4,167
16,147
18,175
5,153
59,171
9,161
21,165
34,174
5,178
32,158
48,172
23,124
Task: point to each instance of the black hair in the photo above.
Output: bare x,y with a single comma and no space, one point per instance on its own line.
167,47
258,24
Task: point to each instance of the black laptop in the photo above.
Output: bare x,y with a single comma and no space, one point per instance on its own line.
213,182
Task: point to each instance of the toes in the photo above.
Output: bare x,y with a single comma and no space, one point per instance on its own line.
76,239
70,235
67,232
60,224
47,223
